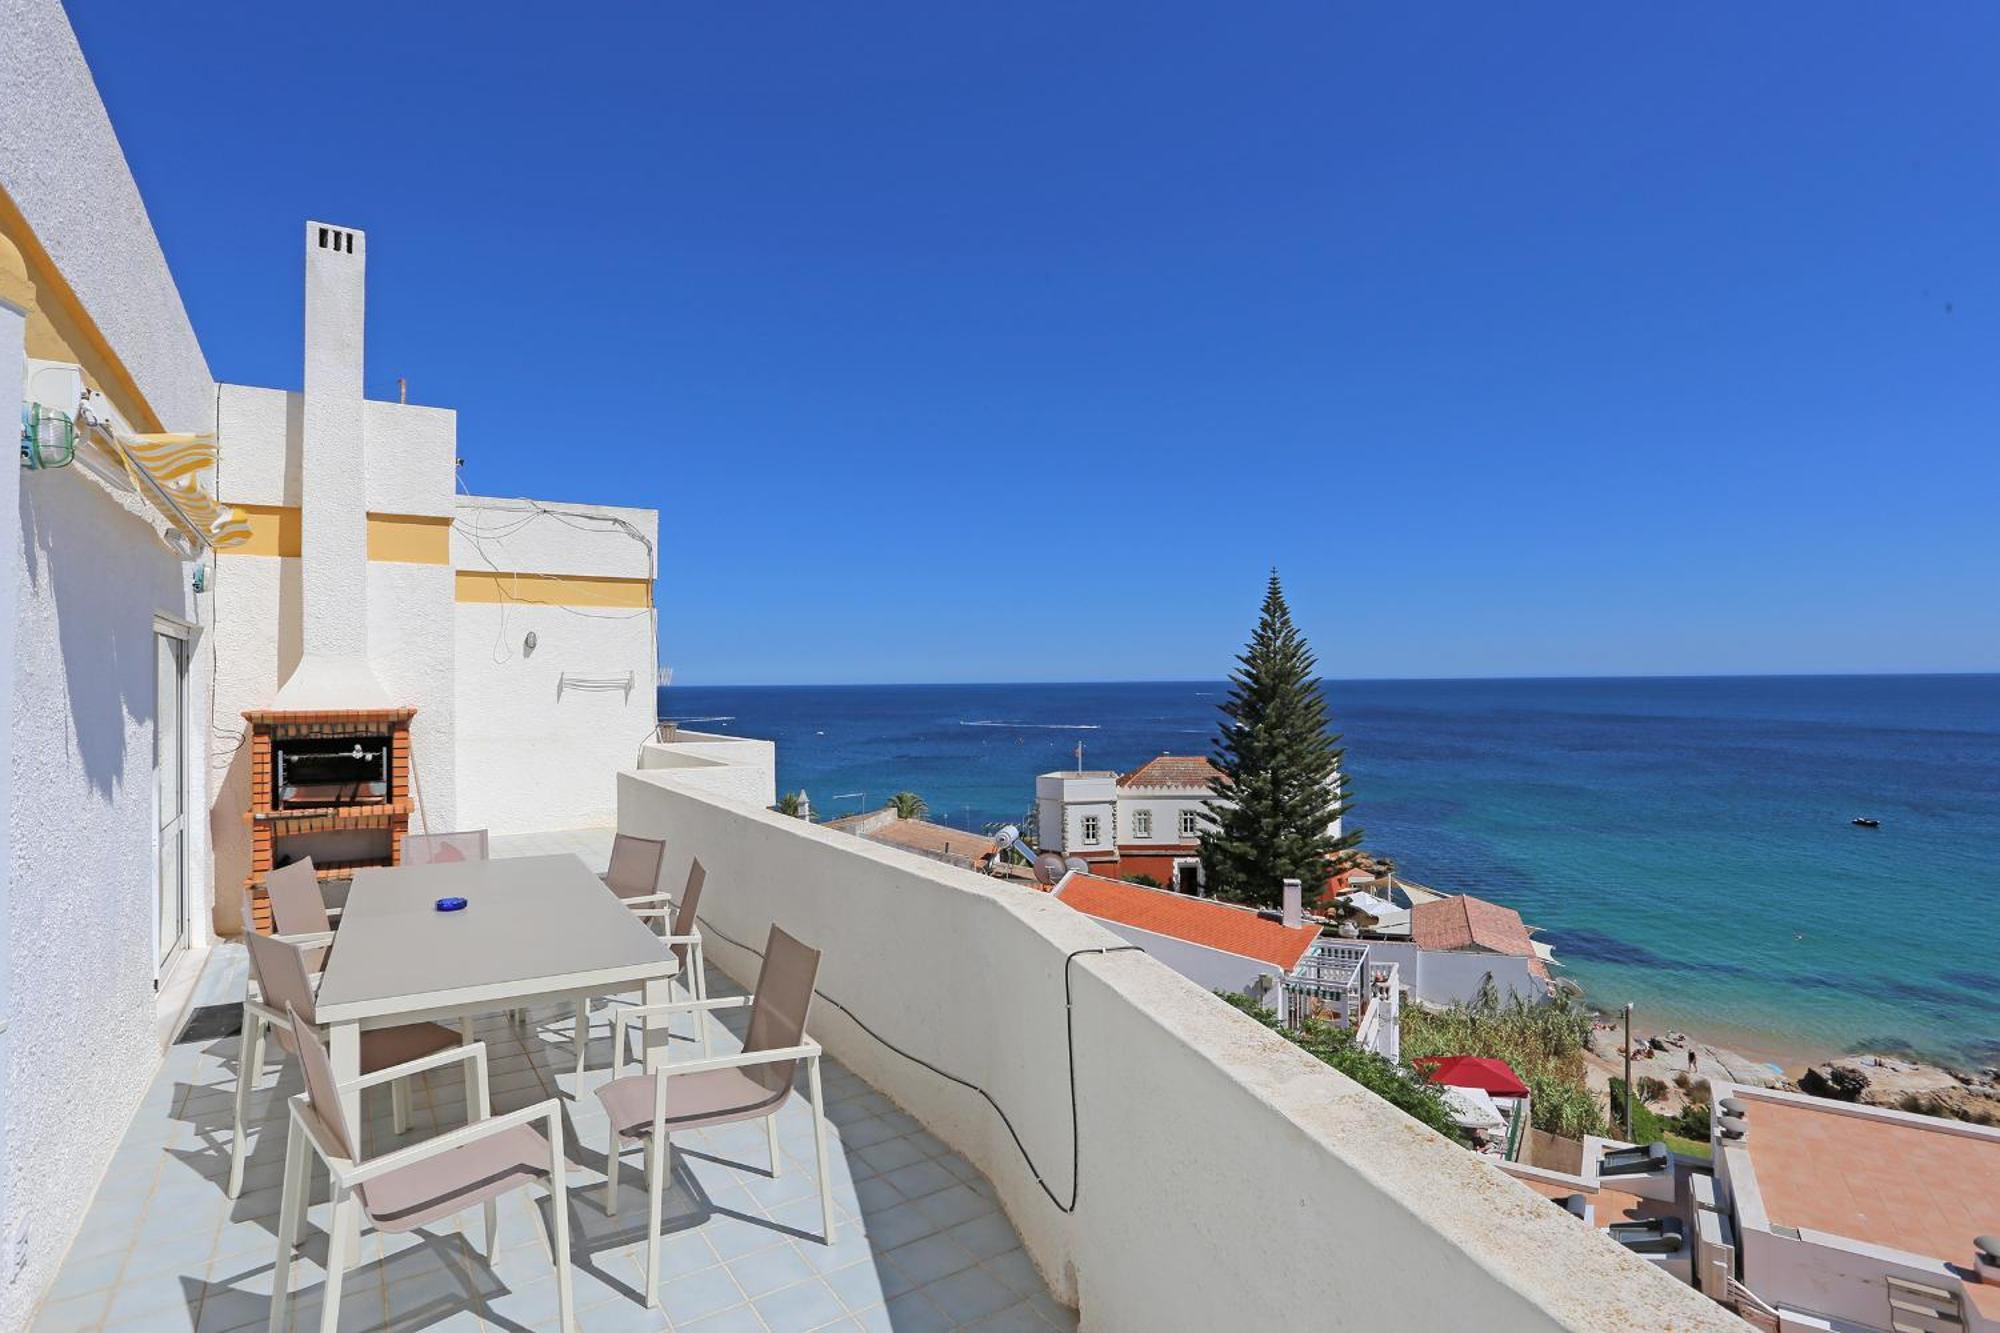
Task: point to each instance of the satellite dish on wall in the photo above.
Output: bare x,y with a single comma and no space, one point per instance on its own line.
1078,864
1049,868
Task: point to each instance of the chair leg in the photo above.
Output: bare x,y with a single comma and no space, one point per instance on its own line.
291,1207
491,1211
611,1173
343,1223
399,1105
466,1038
246,1079
559,1199
580,1036
771,1140
819,1149
700,988
659,1157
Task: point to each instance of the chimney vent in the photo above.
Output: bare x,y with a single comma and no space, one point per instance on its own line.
1294,903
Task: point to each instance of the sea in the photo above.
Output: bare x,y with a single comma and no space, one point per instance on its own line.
1685,843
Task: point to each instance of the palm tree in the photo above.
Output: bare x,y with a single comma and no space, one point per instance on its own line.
908,805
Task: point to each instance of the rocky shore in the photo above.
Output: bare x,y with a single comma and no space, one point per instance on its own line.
1907,1085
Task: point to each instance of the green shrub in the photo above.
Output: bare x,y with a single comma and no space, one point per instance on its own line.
1402,1088
1544,1043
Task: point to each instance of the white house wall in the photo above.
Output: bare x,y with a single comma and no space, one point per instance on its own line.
61,165
81,911
543,732
1438,976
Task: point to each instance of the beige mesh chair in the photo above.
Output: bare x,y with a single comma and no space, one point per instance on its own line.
414,1186
278,969
423,849
685,941
297,906
723,1089
634,873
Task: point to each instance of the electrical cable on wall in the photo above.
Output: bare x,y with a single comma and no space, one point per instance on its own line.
1069,1034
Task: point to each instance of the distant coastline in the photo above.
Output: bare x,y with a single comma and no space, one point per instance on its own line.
1683,841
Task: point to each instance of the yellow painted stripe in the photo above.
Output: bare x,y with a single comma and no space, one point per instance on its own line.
411,539
421,539
484,585
60,329
274,530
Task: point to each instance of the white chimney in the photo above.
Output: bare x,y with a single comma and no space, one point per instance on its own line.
1294,903
333,671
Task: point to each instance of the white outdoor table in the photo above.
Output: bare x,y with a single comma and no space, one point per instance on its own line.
534,929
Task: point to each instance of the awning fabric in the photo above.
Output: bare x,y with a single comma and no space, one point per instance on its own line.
1496,1077
162,467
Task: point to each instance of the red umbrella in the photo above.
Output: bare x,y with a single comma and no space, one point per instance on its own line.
1495,1077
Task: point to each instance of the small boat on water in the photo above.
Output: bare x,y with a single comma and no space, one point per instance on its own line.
1863,821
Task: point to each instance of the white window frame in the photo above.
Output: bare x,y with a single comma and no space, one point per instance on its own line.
1142,823
1190,822
1092,829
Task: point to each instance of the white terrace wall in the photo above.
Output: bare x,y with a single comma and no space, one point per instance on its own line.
542,732
736,767
1228,1180
83,280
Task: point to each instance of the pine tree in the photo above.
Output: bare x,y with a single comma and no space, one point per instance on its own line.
1281,786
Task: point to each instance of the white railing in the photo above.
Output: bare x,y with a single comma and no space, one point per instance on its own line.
1381,1027
990,1012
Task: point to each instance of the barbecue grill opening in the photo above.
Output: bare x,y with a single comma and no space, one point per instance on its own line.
331,770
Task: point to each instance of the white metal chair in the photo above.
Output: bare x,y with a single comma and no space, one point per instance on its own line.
685,941
634,872
423,849
411,1187
285,987
720,1090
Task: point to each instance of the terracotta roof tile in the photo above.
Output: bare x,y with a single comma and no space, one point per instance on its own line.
1232,929
1172,770
1466,922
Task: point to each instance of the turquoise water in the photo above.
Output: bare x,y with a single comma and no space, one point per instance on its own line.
1683,842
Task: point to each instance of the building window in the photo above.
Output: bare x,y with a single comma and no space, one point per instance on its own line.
1092,829
1142,823
1190,823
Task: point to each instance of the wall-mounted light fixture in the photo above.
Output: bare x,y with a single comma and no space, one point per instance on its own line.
528,645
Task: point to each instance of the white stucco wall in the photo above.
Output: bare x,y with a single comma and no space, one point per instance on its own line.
81,912
262,608
1275,1194
61,165
1442,977
738,767
543,733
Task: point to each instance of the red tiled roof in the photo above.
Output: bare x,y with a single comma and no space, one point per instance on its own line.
1203,921
1466,922
1172,770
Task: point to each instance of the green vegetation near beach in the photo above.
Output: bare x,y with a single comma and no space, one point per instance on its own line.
1402,1088
1543,1042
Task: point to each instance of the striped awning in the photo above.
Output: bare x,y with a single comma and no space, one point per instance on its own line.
163,468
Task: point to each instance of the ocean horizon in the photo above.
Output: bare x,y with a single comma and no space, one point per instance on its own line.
1683,841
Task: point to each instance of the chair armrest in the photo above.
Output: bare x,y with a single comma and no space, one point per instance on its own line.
649,898
805,1050
549,1111
627,1012
474,1051
312,940
266,1012
626,1009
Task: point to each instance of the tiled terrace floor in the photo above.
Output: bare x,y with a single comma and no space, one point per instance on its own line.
922,1243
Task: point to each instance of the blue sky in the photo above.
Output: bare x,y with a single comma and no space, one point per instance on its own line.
1016,342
